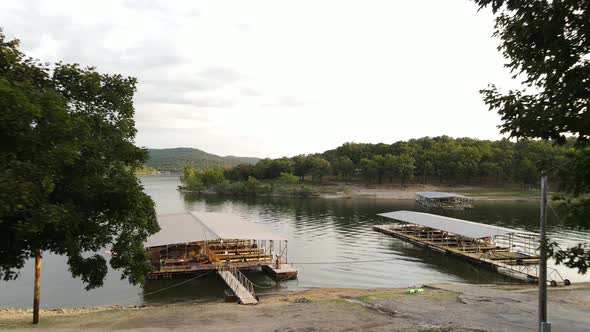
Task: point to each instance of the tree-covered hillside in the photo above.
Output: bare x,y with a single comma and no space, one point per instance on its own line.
437,160
174,159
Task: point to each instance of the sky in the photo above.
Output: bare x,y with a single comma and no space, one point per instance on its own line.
280,78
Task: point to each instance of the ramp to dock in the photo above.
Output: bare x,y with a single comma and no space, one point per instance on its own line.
239,284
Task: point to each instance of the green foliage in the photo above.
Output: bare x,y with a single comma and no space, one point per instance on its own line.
272,168
320,167
67,163
175,159
405,166
288,178
452,160
547,45
369,169
240,172
211,176
343,166
301,166
191,179
194,179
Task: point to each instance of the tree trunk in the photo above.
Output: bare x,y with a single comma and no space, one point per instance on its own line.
37,292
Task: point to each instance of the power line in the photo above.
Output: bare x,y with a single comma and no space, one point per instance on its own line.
163,289
347,262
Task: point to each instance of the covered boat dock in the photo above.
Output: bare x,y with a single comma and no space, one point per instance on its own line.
508,251
196,242
443,200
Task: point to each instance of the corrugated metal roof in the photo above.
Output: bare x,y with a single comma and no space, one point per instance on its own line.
194,226
437,194
231,226
461,227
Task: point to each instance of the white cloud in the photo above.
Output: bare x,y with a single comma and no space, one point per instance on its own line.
268,78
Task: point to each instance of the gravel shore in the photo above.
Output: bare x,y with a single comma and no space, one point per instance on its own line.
441,307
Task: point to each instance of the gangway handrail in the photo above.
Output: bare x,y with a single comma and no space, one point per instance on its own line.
240,278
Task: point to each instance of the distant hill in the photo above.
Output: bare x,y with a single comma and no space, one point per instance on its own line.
174,159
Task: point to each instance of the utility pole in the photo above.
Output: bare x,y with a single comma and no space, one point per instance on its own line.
544,326
37,291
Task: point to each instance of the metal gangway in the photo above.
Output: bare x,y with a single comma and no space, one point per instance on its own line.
238,283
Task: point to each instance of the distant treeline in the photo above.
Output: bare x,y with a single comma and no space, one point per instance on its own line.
441,159
175,159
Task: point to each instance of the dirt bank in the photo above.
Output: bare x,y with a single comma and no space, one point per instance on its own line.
442,307
342,190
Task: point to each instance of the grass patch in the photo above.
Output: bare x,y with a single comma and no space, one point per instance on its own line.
394,295
336,300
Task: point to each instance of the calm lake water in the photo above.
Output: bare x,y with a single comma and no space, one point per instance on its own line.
325,238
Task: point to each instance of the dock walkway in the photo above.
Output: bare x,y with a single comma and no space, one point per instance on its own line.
239,284
495,257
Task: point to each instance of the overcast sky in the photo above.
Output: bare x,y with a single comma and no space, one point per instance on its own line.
274,78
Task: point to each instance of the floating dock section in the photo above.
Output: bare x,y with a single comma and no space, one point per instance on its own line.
508,251
443,200
201,242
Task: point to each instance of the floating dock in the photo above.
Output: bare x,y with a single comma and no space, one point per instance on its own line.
443,200
200,242
508,251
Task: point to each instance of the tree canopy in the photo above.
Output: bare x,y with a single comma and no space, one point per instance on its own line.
547,45
67,162
437,159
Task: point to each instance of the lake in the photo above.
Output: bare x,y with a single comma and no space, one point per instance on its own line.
325,236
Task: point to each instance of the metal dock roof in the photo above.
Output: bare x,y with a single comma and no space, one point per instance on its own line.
461,227
194,226
438,194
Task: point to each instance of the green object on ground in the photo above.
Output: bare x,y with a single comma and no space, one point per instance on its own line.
412,290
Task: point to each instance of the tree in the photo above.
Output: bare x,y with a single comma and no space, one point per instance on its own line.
547,44
240,172
301,166
389,165
251,185
319,167
212,176
191,179
343,166
405,167
67,163
369,169
380,167
288,178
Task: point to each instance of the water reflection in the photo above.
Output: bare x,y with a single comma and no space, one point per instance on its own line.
320,232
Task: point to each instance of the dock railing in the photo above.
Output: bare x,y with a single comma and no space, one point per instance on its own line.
240,278
528,270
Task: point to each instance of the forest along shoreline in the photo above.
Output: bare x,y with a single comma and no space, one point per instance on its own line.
439,307
342,190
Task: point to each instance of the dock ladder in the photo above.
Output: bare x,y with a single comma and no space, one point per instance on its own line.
238,283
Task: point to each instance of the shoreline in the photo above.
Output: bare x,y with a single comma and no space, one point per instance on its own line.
441,307
388,192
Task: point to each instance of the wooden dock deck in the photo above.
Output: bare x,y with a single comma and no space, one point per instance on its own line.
498,258
284,272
